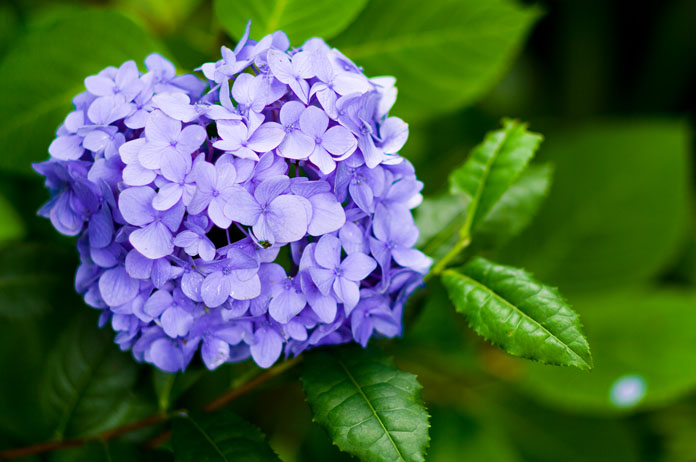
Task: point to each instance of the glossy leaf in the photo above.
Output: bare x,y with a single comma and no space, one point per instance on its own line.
440,218
87,382
443,53
639,337
617,213
492,168
507,307
516,208
33,105
300,19
370,408
220,436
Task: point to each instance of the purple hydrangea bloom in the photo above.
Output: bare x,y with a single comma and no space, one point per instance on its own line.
187,194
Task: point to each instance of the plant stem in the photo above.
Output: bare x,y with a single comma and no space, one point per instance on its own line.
440,266
260,379
152,420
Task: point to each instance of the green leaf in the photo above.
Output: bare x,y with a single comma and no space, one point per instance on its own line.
617,212
221,436
87,382
33,105
516,208
300,19
164,15
440,218
444,53
507,307
28,274
370,408
492,168
643,340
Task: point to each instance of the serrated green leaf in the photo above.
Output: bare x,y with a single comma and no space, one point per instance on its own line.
220,436
516,208
492,168
370,408
617,212
443,53
87,382
33,105
300,19
506,306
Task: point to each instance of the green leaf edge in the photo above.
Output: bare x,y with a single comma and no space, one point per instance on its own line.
588,366
385,359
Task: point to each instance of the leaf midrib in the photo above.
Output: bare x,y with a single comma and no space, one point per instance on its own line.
372,409
277,12
517,309
476,200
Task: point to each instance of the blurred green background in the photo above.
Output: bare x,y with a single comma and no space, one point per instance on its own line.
610,84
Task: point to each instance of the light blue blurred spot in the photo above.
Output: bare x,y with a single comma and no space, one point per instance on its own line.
627,391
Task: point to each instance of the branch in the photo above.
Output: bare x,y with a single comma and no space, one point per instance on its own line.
156,419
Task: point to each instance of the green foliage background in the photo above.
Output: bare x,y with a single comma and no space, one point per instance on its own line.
611,87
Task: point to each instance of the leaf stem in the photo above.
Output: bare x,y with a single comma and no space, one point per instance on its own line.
440,266
155,419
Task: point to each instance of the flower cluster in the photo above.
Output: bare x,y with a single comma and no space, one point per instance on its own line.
263,211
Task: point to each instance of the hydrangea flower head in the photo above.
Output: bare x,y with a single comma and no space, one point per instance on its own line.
263,211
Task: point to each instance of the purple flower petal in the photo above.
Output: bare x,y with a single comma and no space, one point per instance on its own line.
327,214
153,241
357,266
167,196
117,287
176,322
215,289
268,136
135,205
286,305
214,352
287,218
267,347
242,207
328,252
66,147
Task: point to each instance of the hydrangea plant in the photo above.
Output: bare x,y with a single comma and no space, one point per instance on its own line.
261,211
261,208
